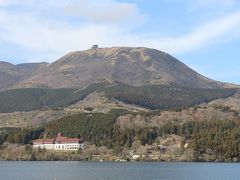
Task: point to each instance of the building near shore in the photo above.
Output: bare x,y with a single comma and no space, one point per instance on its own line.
59,143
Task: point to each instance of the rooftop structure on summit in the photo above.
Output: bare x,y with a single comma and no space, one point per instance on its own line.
95,46
59,143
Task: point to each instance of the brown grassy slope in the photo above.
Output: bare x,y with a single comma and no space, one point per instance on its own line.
10,74
133,66
30,119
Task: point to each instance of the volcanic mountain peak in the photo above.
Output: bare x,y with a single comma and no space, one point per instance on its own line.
134,66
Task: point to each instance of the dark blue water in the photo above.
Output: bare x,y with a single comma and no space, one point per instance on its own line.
112,171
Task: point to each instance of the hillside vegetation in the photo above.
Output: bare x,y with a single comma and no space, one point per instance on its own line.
152,96
216,139
165,97
29,99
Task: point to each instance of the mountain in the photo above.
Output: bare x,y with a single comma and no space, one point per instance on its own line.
118,99
132,66
11,75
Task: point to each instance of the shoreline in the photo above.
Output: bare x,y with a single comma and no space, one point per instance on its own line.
117,162
114,161
14,152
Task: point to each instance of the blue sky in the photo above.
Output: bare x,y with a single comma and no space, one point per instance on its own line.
204,34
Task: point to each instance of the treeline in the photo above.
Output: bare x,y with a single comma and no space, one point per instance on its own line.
165,97
19,136
96,128
29,99
219,138
152,96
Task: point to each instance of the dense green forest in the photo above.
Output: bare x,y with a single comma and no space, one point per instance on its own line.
19,136
221,138
35,98
164,97
152,97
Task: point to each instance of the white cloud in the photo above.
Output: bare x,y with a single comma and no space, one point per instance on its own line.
220,30
38,33
203,35
54,36
59,37
106,11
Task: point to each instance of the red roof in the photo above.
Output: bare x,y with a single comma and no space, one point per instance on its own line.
60,139
43,141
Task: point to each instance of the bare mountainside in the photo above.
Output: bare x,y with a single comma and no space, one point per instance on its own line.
11,75
133,66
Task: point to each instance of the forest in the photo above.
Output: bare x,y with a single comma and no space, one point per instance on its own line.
28,99
221,138
152,96
164,97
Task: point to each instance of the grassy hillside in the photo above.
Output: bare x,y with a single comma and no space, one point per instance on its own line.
152,97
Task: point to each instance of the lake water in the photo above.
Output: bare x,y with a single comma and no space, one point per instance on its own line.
118,171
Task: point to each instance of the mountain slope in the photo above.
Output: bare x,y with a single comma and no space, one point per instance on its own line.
11,75
149,96
132,66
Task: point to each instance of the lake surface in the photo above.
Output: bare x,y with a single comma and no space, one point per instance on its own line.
118,171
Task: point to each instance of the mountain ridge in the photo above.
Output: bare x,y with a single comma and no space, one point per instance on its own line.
11,74
133,66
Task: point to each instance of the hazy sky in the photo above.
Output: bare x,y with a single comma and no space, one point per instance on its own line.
204,34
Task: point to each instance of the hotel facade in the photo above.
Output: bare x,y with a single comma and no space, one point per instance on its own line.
59,143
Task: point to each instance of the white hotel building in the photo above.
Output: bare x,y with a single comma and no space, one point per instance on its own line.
59,143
